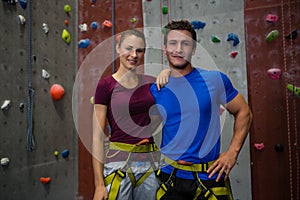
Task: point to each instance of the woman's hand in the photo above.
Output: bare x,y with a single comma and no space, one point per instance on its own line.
163,78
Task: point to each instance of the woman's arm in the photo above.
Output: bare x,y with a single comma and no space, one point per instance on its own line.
99,118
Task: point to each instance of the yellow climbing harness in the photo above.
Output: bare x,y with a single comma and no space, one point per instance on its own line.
116,177
208,193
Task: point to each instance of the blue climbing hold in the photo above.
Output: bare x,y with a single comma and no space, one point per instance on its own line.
198,24
23,3
94,25
65,153
84,43
234,37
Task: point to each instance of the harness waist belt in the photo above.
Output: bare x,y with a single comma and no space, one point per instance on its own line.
201,167
143,148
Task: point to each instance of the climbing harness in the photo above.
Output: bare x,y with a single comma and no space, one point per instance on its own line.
208,193
289,135
30,91
114,179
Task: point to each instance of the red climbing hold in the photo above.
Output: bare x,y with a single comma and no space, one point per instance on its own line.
107,24
233,54
45,180
57,92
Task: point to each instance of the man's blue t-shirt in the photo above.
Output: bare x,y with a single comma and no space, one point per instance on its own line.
190,107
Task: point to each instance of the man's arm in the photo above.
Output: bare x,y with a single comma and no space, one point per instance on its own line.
243,118
99,117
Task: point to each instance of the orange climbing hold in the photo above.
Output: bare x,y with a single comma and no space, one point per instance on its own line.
107,24
45,180
57,92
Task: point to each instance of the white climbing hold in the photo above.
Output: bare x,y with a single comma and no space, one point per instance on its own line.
83,27
45,74
22,19
4,161
45,28
5,105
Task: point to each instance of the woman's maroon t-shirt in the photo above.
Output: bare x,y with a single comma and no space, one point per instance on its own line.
127,109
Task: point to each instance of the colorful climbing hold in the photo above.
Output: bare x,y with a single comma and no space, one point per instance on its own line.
292,35
23,3
278,147
45,28
5,105
45,74
234,38
272,36
198,24
107,24
84,43
233,54
65,153
259,146
67,8
294,89
94,25
22,19
66,36
66,22
56,153
92,100
57,92
271,18
132,20
21,106
274,73
215,39
164,10
4,161
45,180
83,27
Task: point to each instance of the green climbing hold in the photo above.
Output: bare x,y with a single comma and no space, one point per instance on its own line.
215,39
66,36
133,20
67,8
272,36
164,10
294,89
163,30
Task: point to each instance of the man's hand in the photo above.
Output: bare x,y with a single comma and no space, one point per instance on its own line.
223,164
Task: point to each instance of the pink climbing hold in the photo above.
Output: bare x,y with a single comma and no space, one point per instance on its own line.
274,73
233,54
259,146
271,18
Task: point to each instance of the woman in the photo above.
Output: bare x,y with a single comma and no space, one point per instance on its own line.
124,99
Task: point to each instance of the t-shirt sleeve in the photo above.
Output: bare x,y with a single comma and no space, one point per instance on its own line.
230,91
102,93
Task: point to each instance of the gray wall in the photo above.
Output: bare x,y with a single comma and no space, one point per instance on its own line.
53,127
221,18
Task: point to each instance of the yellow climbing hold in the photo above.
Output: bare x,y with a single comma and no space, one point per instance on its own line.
66,36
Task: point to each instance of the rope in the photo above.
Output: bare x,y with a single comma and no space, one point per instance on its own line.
113,36
287,102
30,91
294,102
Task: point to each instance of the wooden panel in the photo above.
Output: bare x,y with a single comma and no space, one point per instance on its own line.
275,110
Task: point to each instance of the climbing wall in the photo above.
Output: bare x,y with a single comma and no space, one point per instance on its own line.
273,63
53,128
217,50
215,22
95,61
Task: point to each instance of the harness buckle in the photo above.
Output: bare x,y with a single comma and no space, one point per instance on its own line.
186,163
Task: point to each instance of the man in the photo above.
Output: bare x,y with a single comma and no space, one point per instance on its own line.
189,104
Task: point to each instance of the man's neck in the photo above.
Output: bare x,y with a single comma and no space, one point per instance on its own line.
175,72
